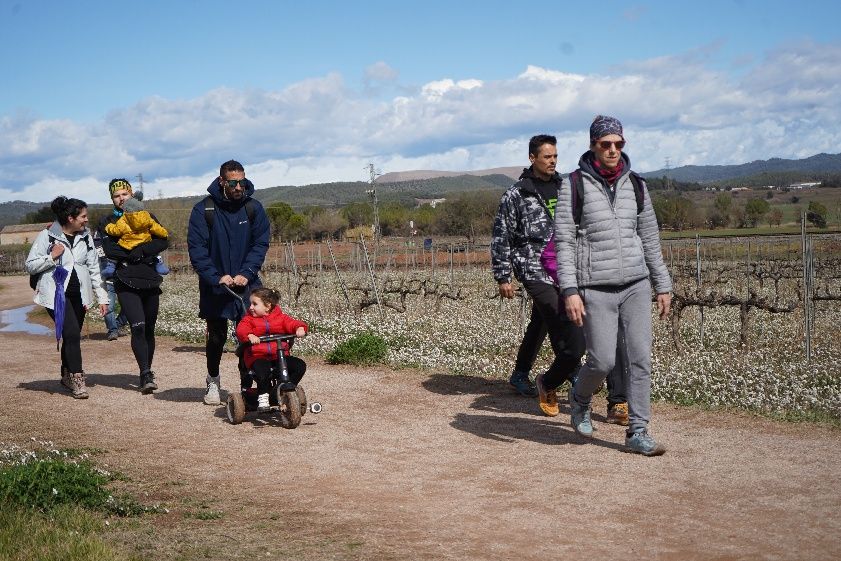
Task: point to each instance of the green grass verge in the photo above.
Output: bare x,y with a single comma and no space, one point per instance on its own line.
67,533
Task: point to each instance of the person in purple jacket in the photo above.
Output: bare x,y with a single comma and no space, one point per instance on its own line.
227,239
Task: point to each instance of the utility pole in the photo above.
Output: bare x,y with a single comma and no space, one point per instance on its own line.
139,177
668,179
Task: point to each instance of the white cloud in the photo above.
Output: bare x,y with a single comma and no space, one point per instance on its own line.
316,130
380,72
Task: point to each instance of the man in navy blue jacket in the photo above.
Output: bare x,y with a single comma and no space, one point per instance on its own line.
228,238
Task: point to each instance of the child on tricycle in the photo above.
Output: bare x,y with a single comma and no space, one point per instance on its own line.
266,334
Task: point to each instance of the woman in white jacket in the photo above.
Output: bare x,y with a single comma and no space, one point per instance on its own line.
67,243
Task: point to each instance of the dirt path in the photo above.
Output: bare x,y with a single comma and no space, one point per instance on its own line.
409,465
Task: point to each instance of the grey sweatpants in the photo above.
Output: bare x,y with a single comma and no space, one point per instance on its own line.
606,309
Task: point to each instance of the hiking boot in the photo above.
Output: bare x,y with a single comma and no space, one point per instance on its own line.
263,402
580,417
617,414
640,442
520,382
547,399
147,382
211,395
112,335
77,385
65,378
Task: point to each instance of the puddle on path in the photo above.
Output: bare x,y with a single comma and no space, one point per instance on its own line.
15,321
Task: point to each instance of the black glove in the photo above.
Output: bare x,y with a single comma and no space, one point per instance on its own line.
135,255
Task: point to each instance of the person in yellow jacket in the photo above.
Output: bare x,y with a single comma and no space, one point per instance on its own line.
135,227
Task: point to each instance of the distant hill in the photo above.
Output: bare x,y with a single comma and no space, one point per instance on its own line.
13,211
817,164
405,186
332,195
399,176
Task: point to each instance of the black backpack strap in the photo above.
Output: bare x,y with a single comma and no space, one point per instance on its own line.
577,186
251,210
639,190
209,211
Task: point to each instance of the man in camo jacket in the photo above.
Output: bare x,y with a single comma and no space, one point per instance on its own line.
522,231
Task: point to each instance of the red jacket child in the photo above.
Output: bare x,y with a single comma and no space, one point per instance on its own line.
273,323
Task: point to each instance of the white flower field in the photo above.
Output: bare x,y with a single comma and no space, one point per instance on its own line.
465,328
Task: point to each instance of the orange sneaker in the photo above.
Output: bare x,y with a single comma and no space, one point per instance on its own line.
547,399
617,414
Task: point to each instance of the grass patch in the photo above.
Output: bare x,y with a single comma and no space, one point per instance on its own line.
53,504
67,533
204,514
363,349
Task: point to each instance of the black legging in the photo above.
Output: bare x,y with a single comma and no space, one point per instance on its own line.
567,338
71,332
141,309
217,334
261,370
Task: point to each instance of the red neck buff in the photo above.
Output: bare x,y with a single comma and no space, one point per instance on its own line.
609,175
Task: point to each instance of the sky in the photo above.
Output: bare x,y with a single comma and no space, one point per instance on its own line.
312,92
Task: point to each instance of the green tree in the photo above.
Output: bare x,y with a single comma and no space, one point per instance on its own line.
394,219
424,219
295,227
358,214
676,212
469,215
755,210
279,214
816,214
43,214
723,204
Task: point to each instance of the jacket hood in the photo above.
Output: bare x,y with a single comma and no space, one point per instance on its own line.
528,177
138,219
216,191
585,163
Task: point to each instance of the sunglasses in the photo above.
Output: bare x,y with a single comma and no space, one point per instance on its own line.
232,183
605,144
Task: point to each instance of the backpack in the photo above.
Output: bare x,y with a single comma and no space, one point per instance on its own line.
33,279
578,193
210,211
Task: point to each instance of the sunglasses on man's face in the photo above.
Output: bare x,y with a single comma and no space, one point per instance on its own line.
232,183
605,144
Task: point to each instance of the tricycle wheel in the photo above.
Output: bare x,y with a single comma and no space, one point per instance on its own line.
290,409
302,398
235,408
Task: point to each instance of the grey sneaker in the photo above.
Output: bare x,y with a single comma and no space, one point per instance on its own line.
580,417
211,395
147,382
640,442
112,335
520,382
77,386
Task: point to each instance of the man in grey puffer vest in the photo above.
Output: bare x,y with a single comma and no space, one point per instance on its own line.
609,258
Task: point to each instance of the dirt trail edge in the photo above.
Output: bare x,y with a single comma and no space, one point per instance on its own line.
412,465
